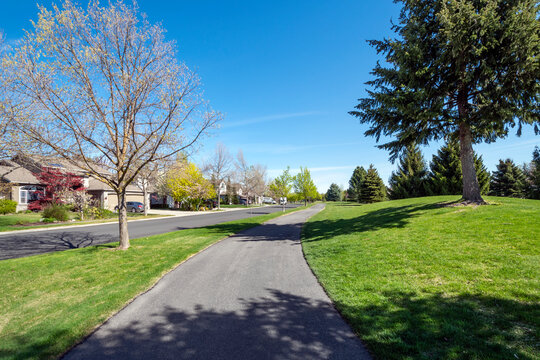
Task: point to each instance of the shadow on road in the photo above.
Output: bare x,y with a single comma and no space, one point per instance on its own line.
49,242
280,326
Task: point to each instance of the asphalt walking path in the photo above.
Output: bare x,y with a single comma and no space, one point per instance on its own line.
250,296
16,245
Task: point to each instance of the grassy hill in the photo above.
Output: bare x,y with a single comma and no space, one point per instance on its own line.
419,280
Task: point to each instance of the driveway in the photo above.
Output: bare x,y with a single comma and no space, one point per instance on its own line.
15,245
250,296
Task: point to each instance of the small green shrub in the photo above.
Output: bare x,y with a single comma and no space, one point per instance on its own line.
8,206
98,213
56,211
48,220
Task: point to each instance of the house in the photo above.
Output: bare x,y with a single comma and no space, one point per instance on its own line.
19,183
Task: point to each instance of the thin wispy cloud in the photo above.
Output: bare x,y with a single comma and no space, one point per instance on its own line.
268,118
279,149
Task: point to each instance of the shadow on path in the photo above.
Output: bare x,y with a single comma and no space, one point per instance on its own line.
280,326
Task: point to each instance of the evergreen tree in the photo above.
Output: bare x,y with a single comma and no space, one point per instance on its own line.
372,189
533,176
333,193
460,68
446,177
410,178
508,180
355,183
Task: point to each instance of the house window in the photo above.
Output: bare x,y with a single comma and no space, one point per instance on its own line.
30,193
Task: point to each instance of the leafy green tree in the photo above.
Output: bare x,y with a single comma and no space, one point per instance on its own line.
304,185
282,185
333,193
410,178
373,189
355,183
446,177
533,175
508,180
187,184
456,68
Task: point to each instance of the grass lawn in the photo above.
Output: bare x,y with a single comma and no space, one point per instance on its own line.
12,222
419,281
49,302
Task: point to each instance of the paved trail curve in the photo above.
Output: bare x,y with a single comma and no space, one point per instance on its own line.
251,296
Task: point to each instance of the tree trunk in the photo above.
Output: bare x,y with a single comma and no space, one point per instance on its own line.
145,194
122,221
219,198
471,189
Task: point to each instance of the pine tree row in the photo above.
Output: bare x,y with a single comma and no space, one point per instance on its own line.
412,178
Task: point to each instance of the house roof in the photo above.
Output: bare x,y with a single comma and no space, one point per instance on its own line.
15,173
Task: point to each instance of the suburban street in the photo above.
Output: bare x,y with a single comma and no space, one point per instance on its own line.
250,296
15,245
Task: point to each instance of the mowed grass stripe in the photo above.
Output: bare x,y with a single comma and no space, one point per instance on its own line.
417,280
50,302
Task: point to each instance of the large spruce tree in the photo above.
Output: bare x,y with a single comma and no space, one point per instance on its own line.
467,69
446,177
372,189
508,180
533,175
355,183
333,193
409,180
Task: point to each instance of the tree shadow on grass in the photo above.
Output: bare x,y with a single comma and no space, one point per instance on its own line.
447,327
394,217
277,326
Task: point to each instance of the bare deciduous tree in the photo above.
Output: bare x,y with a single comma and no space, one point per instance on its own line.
251,177
218,168
101,87
150,177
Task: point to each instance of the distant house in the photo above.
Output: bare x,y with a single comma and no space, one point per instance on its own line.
20,184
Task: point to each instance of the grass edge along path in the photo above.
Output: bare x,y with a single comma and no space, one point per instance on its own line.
417,280
51,302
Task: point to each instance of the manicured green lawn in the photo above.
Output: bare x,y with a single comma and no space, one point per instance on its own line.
7,221
12,222
420,281
49,302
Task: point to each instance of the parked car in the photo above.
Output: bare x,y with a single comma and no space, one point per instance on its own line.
133,206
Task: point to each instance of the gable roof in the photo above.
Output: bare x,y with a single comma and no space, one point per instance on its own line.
15,173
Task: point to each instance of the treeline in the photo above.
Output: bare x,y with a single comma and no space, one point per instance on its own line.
365,186
444,177
413,178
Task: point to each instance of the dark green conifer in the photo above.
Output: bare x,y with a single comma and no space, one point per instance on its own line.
533,176
372,189
333,193
355,183
410,178
446,177
508,180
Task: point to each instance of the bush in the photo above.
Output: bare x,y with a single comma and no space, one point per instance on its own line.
98,213
48,220
7,206
55,211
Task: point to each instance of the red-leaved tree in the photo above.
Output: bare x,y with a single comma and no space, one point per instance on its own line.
59,188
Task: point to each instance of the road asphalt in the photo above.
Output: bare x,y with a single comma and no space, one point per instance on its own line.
250,296
15,245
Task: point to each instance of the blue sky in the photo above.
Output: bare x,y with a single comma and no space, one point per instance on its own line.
285,74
